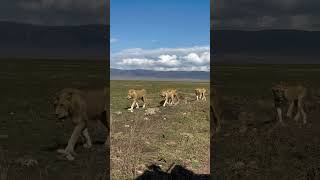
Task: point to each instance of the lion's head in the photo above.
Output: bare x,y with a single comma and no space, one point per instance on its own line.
163,93
131,93
279,93
62,105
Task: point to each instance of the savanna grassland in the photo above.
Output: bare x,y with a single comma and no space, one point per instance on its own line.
29,134
174,135
251,143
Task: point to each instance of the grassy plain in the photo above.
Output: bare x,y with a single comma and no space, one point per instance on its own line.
177,135
28,129
251,144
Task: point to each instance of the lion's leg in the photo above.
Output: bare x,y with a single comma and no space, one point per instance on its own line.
172,98
300,110
74,137
137,105
289,112
69,150
197,98
144,102
279,112
304,116
132,105
165,102
204,97
106,122
88,143
177,100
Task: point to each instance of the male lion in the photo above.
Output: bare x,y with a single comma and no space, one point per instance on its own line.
137,95
289,95
80,107
169,95
200,93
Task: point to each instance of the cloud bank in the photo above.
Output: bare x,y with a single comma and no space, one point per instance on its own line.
265,14
163,59
55,12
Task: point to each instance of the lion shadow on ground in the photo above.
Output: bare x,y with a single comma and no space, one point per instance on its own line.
175,172
56,146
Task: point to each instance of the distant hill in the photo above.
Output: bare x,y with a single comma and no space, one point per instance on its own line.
18,40
25,40
118,74
266,46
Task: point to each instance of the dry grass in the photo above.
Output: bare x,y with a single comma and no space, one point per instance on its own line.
177,134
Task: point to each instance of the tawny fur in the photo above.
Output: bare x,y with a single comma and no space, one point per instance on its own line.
170,95
80,107
137,95
200,93
285,95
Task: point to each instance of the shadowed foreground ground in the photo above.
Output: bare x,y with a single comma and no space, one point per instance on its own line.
251,143
29,134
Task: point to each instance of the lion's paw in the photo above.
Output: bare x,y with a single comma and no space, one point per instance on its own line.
67,154
87,145
70,157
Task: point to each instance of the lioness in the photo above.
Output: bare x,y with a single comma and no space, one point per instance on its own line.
287,95
80,107
169,95
200,93
137,95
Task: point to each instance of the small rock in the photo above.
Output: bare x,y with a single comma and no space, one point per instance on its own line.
243,129
146,118
27,162
118,113
126,125
239,165
171,143
151,111
186,135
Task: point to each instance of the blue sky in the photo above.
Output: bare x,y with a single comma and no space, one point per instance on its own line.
169,26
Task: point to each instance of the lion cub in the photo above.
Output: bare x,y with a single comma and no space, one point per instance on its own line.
200,93
136,95
285,95
169,95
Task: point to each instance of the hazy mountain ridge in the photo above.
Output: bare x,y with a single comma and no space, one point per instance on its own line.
266,46
139,74
26,40
20,40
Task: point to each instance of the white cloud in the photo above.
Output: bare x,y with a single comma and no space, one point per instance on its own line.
195,58
113,40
